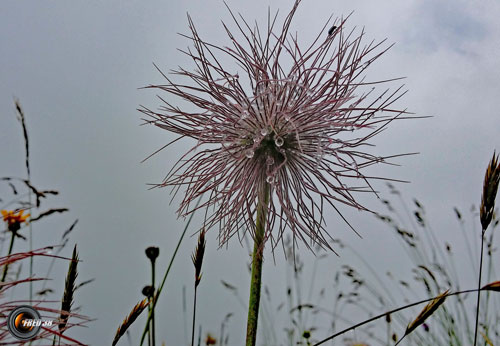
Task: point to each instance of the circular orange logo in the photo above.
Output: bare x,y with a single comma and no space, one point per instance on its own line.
24,322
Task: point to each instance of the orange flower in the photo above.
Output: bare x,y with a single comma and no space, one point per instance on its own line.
14,219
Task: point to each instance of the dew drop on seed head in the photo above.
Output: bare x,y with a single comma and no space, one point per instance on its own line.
244,114
279,141
287,117
270,179
249,153
264,131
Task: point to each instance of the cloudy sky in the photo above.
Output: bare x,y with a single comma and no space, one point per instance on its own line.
77,68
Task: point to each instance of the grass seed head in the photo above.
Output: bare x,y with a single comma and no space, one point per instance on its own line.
127,322
69,290
197,257
490,188
426,312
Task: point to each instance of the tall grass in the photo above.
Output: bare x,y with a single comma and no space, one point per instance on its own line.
433,270
24,205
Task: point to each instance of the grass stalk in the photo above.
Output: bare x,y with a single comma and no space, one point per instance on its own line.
22,120
257,259
490,188
160,288
194,315
197,259
478,287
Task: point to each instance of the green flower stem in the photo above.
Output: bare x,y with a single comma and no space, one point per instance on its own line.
257,258
11,246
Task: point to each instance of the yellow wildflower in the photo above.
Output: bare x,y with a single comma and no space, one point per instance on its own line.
14,219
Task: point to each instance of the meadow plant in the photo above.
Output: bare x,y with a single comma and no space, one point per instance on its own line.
25,206
278,134
435,276
490,188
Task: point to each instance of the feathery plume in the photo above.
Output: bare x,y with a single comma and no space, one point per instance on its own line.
290,118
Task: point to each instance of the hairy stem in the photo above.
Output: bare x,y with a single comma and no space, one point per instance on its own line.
257,258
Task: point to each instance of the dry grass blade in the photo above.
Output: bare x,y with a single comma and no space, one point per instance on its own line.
49,212
68,231
69,290
127,322
228,285
25,134
486,339
492,286
6,285
197,257
428,310
39,194
490,188
84,283
22,255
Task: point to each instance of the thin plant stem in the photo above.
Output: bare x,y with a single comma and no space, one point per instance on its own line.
11,246
199,336
157,294
152,310
184,313
257,259
149,329
194,315
478,287
31,241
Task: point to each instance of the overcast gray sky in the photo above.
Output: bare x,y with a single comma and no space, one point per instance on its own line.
76,67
